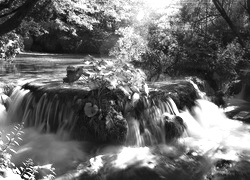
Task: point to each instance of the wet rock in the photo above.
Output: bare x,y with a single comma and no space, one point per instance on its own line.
174,127
182,92
8,174
116,126
234,88
153,166
203,86
5,101
90,109
231,170
92,115
102,117
73,74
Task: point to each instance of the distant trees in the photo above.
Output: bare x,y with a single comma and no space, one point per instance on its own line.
208,39
77,26
66,25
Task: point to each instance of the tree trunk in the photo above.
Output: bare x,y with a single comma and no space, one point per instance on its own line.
223,13
248,7
14,21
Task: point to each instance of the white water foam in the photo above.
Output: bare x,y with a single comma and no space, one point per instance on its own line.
211,131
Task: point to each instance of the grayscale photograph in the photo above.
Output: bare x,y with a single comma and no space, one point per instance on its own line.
124,90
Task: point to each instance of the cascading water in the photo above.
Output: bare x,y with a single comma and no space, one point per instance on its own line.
157,133
44,113
207,122
153,121
45,138
51,121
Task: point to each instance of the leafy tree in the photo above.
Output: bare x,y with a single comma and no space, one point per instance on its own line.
195,41
13,12
221,9
84,25
130,47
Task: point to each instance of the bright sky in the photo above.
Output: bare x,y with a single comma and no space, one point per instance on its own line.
159,3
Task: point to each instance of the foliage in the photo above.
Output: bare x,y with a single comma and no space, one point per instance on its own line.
194,41
8,143
11,140
227,60
163,51
10,45
113,73
13,12
130,46
77,26
8,88
111,83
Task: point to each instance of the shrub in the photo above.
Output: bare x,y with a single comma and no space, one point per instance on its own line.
10,45
226,62
8,143
130,46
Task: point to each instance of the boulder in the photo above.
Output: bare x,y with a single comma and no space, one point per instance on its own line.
89,115
141,164
182,92
174,127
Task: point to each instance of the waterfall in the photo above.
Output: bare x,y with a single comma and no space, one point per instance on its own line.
51,122
151,120
201,94
210,131
46,114
157,132
48,123
154,121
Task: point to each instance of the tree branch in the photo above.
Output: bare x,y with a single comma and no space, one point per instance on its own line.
223,13
248,7
5,5
14,21
9,13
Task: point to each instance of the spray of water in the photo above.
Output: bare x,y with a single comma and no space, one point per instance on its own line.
204,130
211,131
43,148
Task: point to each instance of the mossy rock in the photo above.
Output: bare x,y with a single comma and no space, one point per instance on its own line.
96,113
184,167
231,170
182,92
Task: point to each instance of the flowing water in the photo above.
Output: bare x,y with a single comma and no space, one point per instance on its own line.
38,67
208,132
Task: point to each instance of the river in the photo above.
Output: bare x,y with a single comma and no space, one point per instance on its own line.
29,67
209,136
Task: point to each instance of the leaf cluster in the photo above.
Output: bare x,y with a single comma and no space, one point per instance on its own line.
111,74
10,45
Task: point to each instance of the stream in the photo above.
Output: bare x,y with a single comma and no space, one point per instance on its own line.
206,146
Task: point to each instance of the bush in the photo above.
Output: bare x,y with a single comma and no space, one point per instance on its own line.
10,45
130,46
227,60
8,170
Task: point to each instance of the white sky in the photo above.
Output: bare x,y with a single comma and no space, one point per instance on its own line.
159,3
